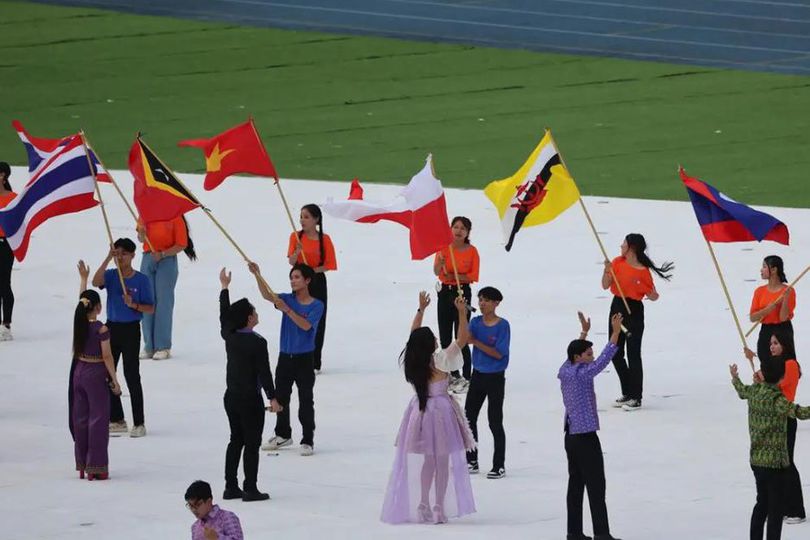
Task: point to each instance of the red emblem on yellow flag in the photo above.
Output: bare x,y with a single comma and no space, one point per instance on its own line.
238,150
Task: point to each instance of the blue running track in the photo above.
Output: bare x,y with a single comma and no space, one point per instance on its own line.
760,35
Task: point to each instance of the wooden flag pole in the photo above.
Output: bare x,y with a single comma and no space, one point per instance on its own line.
211,216
123,197
103,210
455,270
595,234
728,299
800,276
280,192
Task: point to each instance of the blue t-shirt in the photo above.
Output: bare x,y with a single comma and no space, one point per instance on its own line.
496,337
139,289
293,340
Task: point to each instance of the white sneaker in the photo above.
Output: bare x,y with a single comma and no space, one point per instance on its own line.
146,355
275,443
620,402
138,431
460,386
632,405
163,354
307,450
118,428
5,333
794,520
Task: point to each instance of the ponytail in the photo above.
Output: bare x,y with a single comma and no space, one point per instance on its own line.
315,211
637,243
417,359
88,301
189,251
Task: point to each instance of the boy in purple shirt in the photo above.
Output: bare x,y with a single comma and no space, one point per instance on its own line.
213,523
586,467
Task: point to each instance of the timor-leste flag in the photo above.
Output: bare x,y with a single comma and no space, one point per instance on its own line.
538,192
159,195
238,150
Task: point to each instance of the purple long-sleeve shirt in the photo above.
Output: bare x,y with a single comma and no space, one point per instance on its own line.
225,523
579,398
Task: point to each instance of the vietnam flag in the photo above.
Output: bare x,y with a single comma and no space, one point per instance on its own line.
159,194
238,150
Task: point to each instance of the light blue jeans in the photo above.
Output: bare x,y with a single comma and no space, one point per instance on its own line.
157,328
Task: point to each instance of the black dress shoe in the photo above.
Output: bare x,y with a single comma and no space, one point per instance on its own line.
578,537
605,537
257,495
232,493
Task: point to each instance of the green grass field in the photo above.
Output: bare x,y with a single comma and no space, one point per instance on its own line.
334,107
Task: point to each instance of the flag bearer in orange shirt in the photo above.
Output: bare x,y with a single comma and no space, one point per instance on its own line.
6,258
159,263
632,270
467,264
312,247
773,303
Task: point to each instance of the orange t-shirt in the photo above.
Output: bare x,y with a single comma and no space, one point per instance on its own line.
312,251
166,234
467,262
635,282
791,381
4,200
763,297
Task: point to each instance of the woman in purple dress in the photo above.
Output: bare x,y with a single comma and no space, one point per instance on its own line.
91,399
429,481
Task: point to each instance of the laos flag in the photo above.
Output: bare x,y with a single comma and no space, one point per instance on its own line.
723,219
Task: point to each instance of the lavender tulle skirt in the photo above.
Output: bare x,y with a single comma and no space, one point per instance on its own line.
429,481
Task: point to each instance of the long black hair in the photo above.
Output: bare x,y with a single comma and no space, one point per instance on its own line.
315,211
785,339
467,225
6,169
189,251
88,301
775,262
417,357
637,243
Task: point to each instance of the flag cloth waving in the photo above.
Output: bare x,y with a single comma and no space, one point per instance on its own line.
238,150
538,192
63,184
420,207
725,220
40,149
159,195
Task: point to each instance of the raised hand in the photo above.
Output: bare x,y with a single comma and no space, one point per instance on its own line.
584,322
424,300
616,323
253,268
224,278
733,370
84,270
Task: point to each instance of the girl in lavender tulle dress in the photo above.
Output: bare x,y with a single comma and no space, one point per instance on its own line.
429,481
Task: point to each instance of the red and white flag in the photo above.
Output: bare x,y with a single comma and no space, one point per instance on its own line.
420,207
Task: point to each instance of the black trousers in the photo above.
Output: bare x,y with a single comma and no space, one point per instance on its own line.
770,503
794,500
630,371
448,321
490,387
6,294
317,288
764,339
246,420
586,470
296,368
125,341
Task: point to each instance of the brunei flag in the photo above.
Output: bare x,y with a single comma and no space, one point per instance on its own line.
238,150
538,192
159,195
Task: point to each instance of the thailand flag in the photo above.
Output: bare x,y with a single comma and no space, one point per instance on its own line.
39,150
420,207
63,184
723,219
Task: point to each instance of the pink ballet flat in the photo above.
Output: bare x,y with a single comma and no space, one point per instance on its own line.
425,515
438,512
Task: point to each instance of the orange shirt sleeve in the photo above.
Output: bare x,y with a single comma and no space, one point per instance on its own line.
329,259
475,263
791,303
790,382
180,233
293,242
756,301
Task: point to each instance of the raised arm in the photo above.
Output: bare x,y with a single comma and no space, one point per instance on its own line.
463,324
594,368
424,302
98,277
84,272
224,302
263,289
743,390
